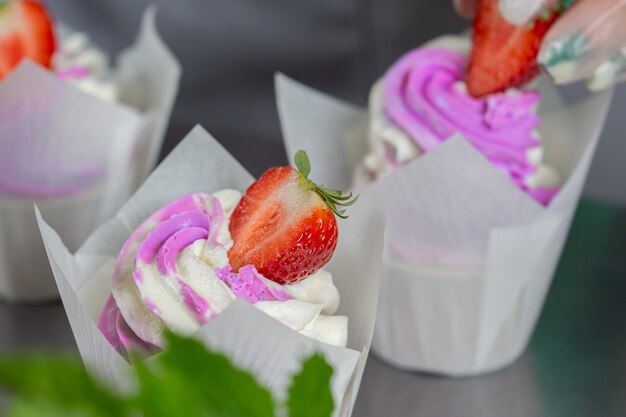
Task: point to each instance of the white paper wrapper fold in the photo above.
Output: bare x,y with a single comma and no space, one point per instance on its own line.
77,157
468,256
254,340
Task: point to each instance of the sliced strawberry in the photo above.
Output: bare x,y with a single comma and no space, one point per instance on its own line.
285,224
26,31
505,55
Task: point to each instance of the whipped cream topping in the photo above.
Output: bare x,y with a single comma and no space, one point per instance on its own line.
173,272
422,101
81,64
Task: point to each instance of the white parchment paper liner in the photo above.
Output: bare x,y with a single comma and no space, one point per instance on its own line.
67,127
252,339
452,207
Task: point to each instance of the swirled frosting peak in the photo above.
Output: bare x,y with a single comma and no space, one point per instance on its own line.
173,272
425,97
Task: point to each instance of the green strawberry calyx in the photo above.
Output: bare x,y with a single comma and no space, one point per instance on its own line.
334,199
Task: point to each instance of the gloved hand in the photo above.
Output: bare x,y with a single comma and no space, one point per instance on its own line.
588,42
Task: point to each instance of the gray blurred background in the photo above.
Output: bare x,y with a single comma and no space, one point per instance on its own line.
230,49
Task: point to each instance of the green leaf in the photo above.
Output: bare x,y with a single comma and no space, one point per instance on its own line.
200,383
185,379
163,397
302,163
41,407
333,193
61,383
309,393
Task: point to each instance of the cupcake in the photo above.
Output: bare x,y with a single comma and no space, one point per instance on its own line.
246,299
77,135
192,258
479,190
422,100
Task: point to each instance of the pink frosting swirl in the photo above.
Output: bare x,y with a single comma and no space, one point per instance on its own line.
423,98
151,253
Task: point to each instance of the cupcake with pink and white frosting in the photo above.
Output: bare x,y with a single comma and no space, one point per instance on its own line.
422,101
174,273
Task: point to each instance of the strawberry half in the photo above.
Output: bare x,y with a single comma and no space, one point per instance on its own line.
25,32
285,224
505,55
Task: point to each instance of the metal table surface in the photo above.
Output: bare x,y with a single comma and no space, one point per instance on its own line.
575,365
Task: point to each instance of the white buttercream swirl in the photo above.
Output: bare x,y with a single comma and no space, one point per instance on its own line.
83,65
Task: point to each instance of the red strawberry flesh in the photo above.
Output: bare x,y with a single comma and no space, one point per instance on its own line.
504,55
282,228
26,31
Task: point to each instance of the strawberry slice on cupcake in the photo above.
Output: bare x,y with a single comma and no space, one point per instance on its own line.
505,55
26,31
285,224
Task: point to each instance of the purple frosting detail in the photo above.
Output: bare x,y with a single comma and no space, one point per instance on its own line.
128,338
137,276
249,285
422,97
107,323
117,332
172,236
75,71
150,305
179,224
194,302
502,109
